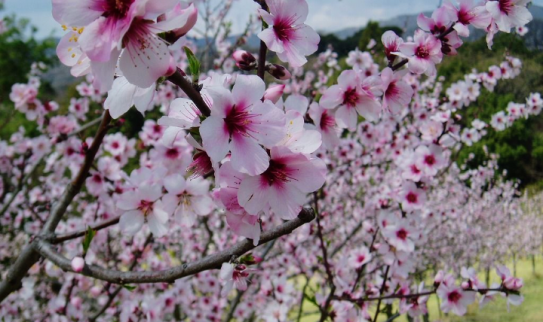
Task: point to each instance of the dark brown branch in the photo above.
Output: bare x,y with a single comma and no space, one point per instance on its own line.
263,48
214,261
178,79
29,256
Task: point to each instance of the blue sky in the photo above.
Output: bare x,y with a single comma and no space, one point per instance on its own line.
324,15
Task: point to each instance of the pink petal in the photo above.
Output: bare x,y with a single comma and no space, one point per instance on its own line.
131,222
332,97
144,60
346,117
248,156
120,98
76,13
253,194
215,138
248,89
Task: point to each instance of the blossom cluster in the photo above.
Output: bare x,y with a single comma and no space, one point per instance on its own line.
229,157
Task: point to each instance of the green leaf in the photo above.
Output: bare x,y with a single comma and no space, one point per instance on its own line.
89,235
311,299
247,259
130,287
194,64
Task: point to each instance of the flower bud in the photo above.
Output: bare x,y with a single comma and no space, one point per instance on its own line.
274,93
439,278
77,264
513,283
278,71
244,60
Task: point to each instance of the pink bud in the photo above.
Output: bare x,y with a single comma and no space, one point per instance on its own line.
513,283
95,291
76,301
77,264
244,60
278,71
465,285
274,93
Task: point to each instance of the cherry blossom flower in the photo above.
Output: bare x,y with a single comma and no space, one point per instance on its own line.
287,34
509,13
359,257
239,123
411,197
283,186
233,275
400,235
142,205
351,98
397,93
325,123
454,299
423,54
430,159
298,138
392,43
188,197
468,13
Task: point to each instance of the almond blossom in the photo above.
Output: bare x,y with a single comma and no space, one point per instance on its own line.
283,186
239,123
423,54
287,35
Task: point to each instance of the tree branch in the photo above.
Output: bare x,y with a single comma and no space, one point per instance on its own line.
214,261
29,256
178,79
263,48
81,233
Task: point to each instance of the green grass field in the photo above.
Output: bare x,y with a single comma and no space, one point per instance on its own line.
531,310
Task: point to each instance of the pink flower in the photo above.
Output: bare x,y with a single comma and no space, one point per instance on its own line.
423,53
468,13
231,275
454,299
287,34
183,114
325,122
392,43
439,22
509,13
430,159
143,205
77,264
359,257
412,197
352,97
284,185
189,198
397,93
239,123
108,27
400,235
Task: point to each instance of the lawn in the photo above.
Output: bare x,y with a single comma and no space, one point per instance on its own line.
531,310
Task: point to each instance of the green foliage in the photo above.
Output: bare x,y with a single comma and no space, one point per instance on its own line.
360,39
520,147
18,50
89,235
194,64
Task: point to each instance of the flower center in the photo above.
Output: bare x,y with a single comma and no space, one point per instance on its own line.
327,121
350,97
172,153
282,30
505,6
146,206
277,173
401,234
454,297
411,197
422,52
430,160
238,121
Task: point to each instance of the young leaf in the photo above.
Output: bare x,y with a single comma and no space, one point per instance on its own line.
130,287
89,235
194,64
